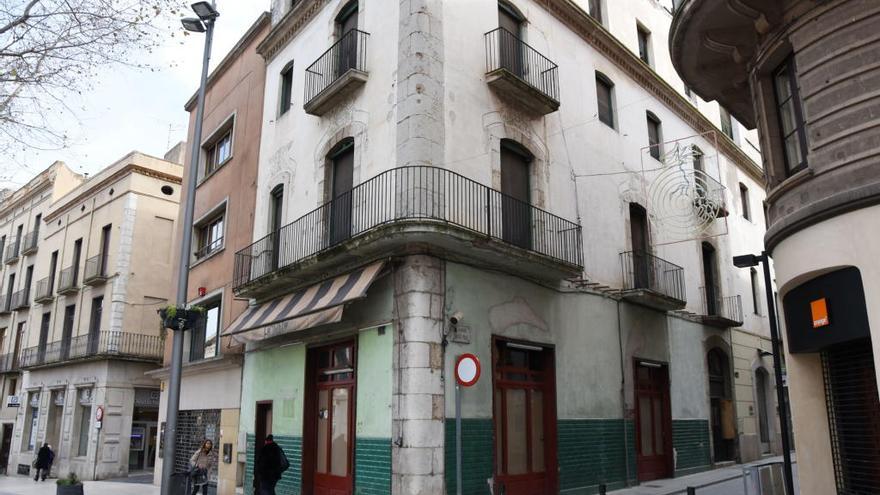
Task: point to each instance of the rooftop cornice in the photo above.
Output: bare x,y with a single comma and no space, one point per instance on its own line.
289,25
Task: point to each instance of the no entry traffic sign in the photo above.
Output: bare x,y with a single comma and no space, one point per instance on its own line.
467,370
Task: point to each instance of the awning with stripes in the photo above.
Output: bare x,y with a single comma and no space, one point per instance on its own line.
319,304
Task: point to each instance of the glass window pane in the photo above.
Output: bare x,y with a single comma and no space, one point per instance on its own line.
323,416
786,116
783,90
537,409
84,424
340,442
793,151
342,357
658,425
212,327
324,359
645,433
517,443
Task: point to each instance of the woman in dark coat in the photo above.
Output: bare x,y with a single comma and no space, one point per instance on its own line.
45,456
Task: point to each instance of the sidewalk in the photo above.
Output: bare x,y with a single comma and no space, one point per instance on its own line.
721,481
21,485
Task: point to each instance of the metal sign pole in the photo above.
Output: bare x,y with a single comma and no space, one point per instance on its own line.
457,439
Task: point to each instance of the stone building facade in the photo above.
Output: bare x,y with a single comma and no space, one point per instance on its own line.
803,74
525,181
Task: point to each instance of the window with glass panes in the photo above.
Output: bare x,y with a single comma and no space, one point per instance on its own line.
204,343
791,119
605,99
286,88
654,134
218,153
644,44
726,123
210,237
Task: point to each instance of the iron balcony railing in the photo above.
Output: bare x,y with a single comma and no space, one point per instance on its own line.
8,362
718,306
348,53
30,242
44,289
95,268
113,344
645,271
209,248
67,279
415,193
504,50
21,299
709,196
11,252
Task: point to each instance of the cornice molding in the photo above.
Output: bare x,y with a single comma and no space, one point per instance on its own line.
599,38
288,27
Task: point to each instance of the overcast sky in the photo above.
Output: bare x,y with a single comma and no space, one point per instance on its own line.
138,110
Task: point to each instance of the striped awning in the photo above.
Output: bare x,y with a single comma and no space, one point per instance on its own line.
319,304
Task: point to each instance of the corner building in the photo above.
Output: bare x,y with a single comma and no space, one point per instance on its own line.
804,75
525,181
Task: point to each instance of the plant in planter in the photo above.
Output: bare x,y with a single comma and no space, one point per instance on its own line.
173,315
71,485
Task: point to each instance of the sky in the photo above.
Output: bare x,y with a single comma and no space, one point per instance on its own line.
129,109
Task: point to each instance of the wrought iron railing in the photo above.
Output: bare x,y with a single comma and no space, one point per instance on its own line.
348,53
11,251
8,362
30,242
645,271
44,289
718,306
67,279
406,194
21,299
95,268
504,50
709,195
100,344
209,248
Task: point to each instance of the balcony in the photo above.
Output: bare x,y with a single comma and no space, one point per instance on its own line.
12,252
106,345
67,281
337,73
708,196
95,271
409,210
30,243
8,363
21,300
719,311
44,291
5,304
652,281
519,73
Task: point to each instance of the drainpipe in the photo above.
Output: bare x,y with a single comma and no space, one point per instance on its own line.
623,398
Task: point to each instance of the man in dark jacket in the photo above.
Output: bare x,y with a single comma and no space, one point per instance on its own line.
45,456
270,464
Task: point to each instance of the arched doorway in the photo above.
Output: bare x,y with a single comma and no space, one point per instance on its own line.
762,379
723,420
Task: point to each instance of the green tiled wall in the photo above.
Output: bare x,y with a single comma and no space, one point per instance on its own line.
591,452
372,458
476,458
291,481
690,437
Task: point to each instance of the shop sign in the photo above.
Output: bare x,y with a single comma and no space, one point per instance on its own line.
13,401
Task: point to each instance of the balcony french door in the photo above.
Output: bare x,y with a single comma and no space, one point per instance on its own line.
516,211
653,421
342,183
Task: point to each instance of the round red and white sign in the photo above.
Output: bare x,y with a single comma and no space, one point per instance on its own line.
467,370
99,413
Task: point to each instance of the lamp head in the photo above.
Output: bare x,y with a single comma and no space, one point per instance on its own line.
193,24
205,11
746,260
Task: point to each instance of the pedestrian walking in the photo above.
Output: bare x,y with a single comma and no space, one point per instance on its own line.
270,465
43,462
202,463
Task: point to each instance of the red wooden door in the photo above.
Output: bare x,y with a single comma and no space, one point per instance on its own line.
525,419
653,421
332,419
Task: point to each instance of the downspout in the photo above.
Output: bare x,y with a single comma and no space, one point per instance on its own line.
83,256
623,398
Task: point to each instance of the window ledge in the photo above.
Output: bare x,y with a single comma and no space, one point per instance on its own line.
220,167
789,183
206,258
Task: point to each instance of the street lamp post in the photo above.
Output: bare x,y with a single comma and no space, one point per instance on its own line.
747,261
207,14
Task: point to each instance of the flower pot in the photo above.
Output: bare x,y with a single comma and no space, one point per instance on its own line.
69,489
190,318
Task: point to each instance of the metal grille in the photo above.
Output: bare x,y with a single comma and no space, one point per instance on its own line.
852,401
194,427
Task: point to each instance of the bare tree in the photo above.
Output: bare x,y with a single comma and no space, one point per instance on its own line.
53,49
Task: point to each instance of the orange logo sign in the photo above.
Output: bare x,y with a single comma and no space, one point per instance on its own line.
820,313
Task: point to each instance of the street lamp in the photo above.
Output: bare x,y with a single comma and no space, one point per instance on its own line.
207,14
748,261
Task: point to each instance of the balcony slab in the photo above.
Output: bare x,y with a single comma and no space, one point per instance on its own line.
338,90
512,88
652,299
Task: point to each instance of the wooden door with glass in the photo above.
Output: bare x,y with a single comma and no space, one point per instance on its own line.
653,420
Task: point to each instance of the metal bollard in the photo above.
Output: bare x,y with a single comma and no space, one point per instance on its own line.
691,490
603,489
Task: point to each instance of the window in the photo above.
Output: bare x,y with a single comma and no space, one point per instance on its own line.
18,239
31,417
13,386
605,98
2,244
210,236
596,10
53,267
791,119
28,279
654,136
276,214
77,253
286,88
756,291
726,122
83,420
218,152
205,337
688,92
744,201
644,44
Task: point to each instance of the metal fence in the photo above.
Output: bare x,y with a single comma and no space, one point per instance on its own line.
109,344
645,271
67,278
416,193
504,50
348,53
44,289
8,362
12,251
714,304
96,267
20,299
30,242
